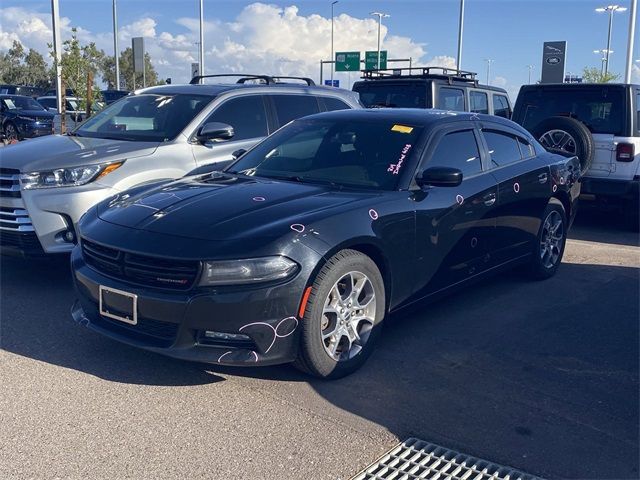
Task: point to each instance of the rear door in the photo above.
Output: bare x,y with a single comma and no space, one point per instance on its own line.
247,114
454,224
524,187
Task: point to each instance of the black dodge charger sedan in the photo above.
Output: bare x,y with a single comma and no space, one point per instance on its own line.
298,250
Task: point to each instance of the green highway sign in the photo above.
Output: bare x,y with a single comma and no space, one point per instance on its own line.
347,61
371,60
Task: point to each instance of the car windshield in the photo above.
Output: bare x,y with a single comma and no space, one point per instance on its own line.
21,103
145,117
395,95
600,109
363,154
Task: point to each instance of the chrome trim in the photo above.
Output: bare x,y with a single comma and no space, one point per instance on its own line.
14,177
16,220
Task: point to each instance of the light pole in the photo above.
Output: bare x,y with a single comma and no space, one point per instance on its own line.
460,31
632,29
201,38
115,45
605,56
611,9
530,67
333,60
380,16
489,62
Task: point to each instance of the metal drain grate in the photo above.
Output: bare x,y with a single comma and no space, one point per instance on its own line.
416,458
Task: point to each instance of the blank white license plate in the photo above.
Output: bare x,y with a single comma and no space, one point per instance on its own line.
119,305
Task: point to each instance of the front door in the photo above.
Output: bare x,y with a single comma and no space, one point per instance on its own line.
247,115
454,225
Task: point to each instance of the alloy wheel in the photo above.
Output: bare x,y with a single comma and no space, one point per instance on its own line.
551,239
559,140
10,132
348,316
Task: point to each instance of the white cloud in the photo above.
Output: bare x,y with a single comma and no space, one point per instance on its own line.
635,73
262,38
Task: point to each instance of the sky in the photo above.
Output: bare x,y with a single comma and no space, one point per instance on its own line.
291,37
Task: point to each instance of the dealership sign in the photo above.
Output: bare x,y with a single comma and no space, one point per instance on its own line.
553,62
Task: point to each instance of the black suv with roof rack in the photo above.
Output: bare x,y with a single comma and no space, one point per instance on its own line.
431,87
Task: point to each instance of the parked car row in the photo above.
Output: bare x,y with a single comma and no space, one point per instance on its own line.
266,221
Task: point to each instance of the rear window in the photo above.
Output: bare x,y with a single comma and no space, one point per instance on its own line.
600,109
394,95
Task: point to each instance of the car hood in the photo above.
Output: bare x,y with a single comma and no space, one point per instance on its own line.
62,151
227,207
34,113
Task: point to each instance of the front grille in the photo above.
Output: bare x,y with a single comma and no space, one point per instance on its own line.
24,243
15,220
9,182
416,458
141,269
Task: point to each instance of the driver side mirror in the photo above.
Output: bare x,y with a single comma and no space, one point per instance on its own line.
440,177
215,132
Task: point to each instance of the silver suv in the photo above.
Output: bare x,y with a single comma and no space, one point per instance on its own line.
154,134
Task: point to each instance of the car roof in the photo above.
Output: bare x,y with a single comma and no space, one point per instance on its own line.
217,89
413,116
576,85
433,78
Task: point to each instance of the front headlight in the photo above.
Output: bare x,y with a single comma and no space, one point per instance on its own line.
66,177
251,270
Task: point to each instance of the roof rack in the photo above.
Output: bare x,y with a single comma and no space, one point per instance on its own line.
245,77
421,72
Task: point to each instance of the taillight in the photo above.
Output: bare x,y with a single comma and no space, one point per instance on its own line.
625,152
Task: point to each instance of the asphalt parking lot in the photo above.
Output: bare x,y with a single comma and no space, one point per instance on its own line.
540,376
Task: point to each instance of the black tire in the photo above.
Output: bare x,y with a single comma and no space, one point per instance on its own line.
549,134
313,358
544,266
11,132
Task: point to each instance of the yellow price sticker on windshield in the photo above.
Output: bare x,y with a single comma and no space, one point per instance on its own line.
401,129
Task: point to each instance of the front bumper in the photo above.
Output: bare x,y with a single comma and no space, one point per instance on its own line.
172,322
50,213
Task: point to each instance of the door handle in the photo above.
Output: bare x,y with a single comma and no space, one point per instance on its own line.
489,199
543,177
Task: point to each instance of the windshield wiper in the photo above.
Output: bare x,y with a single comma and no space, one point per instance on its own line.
300,179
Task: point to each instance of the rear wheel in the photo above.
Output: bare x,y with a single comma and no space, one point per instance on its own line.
342,317
549,246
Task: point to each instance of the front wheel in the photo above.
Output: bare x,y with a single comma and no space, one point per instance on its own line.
342,317
550,242
11,132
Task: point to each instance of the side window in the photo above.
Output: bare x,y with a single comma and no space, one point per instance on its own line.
451,99
47,103
501,106
458,150
291,107
526,149
245,114
503,147
333,103
479,102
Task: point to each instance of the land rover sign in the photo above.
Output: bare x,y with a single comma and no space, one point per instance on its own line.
553,61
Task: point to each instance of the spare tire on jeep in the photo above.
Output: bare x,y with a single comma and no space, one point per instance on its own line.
568,136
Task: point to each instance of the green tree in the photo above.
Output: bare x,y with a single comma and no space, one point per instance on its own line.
78,62
20,68
36,70
108,71
593,75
